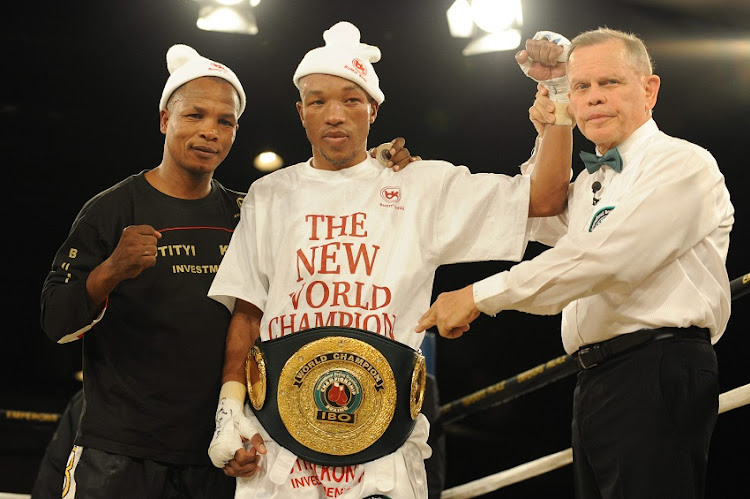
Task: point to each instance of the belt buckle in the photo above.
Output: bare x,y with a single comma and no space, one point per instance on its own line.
585,350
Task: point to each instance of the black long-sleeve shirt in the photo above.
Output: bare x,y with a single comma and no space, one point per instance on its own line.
152,364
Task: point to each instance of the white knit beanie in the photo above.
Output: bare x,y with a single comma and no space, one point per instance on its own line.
344,56
185,64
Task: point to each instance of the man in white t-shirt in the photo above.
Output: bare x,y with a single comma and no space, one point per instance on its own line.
339,241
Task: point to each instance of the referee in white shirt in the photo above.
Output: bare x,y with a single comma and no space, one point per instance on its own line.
638,270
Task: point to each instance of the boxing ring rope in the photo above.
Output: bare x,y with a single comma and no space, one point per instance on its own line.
531,380
488,397
727,401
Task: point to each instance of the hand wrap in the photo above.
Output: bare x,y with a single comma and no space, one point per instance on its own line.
558,87
231,424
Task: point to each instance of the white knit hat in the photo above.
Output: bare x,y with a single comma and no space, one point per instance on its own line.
344,56
185,64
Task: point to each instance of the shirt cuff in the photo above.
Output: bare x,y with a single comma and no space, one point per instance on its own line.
528,166
489,293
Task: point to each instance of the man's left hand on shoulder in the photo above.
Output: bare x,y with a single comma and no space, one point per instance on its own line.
393,154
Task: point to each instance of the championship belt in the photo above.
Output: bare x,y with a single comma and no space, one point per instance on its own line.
337,396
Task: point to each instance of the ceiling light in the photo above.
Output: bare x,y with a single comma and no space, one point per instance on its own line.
492,25
460,20
227,20
494,42
228,16
268,161
493,16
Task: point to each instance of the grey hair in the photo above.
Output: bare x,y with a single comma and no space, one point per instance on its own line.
637,54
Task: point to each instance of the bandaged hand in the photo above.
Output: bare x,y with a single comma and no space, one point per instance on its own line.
544,61
231,424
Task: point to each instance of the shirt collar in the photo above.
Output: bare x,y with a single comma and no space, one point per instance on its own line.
633,143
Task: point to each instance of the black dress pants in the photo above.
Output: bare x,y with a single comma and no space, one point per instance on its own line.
642,422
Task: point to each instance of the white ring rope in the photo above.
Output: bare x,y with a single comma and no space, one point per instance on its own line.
732,399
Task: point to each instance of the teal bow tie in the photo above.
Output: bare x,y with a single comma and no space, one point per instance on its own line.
594,162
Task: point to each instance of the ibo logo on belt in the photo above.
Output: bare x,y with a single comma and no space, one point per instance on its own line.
333,393
338,395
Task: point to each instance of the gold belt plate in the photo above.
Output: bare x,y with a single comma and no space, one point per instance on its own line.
337,395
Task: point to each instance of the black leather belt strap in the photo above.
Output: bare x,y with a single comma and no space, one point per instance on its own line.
596,353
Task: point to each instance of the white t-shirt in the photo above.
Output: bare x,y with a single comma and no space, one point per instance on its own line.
359,247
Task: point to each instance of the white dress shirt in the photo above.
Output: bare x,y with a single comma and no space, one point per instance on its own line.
650,253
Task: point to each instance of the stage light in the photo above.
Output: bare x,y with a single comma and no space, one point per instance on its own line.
508,39
493,25
228,16
460,21
268,161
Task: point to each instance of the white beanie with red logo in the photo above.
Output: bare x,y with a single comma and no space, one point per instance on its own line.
343,55
185,64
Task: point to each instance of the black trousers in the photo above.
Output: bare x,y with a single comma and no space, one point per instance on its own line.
642,422
49,479
100,475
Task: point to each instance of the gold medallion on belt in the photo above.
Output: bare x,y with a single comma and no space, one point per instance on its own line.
336,395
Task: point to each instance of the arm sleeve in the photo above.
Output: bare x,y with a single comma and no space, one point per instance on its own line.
681,201
481,216
240,274
546,230
65,311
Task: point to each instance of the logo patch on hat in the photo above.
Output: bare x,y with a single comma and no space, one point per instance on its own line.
600,216
359,66
216,67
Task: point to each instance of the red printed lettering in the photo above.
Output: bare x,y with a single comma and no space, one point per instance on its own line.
358,222
327,256
336,226
323,259
309,266
314,225
354,261
377,323
322,299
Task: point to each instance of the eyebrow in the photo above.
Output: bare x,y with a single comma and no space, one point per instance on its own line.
203,110
354,87
348,88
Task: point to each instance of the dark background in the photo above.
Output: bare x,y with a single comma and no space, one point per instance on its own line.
81,84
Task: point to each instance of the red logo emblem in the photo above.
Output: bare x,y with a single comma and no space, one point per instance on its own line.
216,67
360,66
391,194
338,394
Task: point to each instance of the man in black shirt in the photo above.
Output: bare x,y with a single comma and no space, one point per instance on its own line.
131,280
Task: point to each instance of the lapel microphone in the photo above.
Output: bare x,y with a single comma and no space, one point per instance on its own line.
595,187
